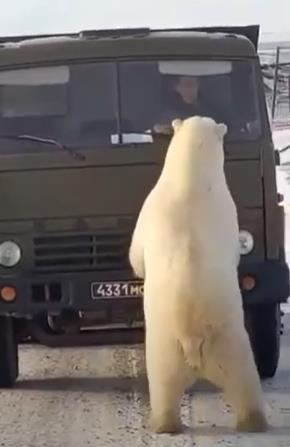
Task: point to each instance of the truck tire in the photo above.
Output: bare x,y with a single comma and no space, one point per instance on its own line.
8,353
263,324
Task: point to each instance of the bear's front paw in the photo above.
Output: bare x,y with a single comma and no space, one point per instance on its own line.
165,423
254,422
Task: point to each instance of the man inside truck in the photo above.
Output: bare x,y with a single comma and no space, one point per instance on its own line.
188,94
185,97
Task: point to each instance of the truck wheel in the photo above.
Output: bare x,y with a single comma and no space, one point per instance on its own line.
263,323
8,353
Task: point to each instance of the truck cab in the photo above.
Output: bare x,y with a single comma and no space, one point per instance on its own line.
83,137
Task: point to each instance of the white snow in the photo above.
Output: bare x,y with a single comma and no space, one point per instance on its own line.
281,139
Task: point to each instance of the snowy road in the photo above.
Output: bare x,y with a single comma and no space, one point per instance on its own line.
98,396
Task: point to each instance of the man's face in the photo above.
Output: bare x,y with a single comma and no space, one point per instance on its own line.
187,87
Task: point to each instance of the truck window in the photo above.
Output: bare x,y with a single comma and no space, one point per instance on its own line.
163,91
34,92
89,105
73,104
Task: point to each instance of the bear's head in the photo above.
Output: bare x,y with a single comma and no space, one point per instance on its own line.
199,133
196,147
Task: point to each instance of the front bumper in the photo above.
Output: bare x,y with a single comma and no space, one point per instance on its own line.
73,291
56,292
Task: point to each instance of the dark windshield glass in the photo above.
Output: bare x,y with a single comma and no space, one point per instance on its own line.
32,93
76,105
89,105
156,93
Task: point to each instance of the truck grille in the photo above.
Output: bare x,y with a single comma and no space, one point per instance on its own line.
81,252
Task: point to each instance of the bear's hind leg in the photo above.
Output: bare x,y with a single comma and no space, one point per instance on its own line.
168,377
229,363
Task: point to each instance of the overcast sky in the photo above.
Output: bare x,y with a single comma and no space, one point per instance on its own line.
47,16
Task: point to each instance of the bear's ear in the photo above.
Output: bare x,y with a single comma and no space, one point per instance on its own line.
222,130
176,125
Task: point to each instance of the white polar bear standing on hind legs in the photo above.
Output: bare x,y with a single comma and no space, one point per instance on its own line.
185,246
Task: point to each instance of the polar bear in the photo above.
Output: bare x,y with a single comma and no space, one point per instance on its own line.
185,246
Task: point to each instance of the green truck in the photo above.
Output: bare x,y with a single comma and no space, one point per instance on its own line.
82,141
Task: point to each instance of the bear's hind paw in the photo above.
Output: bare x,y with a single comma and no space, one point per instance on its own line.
165,423
254,422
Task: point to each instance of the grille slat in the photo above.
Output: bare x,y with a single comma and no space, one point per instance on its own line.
75,247
88,245
76,256
71,252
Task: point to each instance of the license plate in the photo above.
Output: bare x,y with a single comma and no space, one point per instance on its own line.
117,289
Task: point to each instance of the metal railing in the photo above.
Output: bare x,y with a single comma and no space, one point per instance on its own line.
276,71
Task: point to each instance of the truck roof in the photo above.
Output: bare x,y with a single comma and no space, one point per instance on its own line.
127,43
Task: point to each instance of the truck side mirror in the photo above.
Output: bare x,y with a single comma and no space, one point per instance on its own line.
277,157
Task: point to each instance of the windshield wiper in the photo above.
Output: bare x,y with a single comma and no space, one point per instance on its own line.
50,141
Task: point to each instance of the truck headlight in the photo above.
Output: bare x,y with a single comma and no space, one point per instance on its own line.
10,254
246,242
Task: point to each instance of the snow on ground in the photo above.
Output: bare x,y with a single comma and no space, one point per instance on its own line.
281,139
98,397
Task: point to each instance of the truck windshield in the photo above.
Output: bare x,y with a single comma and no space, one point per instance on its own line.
93,104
